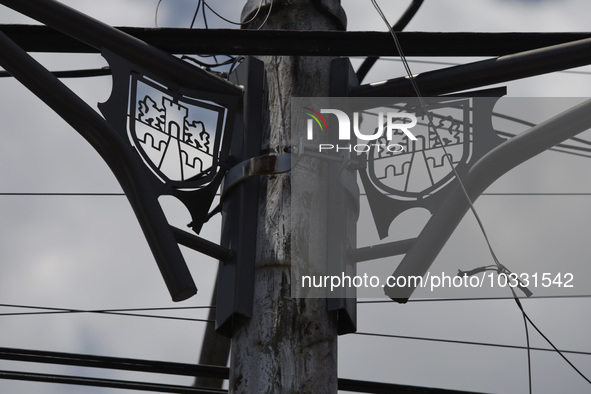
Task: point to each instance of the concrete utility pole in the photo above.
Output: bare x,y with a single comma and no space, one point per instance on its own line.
289,345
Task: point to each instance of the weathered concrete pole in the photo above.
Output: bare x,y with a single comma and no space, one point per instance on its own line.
289,345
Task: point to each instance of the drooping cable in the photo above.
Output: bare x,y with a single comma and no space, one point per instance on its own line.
369,62
156,13
525,315
237,23
232,60
430,126
195,14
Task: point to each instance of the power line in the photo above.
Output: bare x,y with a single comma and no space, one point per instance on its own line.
119,312
474,343
159,367
101,382
560,352
413,300
403,21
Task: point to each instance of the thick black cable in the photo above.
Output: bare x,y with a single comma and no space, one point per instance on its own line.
369,62
160,367
108,383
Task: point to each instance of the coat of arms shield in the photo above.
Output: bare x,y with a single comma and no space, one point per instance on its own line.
456,131
178,137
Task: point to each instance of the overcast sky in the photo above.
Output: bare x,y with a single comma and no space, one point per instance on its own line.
89,253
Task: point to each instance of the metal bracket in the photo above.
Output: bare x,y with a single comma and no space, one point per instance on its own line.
257,166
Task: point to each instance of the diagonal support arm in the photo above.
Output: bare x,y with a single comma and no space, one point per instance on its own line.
484,172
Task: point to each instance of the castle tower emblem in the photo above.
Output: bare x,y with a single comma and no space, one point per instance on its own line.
177,137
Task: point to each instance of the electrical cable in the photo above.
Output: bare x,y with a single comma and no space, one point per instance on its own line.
566,146
119,312
560,352
430,125
528,353
157,367
156,13
403,21
232,61
165,308
414,300
473,343
195,15
569,153
266,17
238,23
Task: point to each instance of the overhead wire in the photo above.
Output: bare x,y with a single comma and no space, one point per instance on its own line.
156,13
473,343
500,266
233,60
414,300
442,63
238,23
403,21
195,15
120,312
526,316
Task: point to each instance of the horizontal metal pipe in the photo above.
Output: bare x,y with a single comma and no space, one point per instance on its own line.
100,35
35,38
485,72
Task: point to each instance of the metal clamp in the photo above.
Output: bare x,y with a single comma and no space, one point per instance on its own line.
257,166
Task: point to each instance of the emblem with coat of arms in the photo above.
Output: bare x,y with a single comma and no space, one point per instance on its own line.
456,132
176,136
